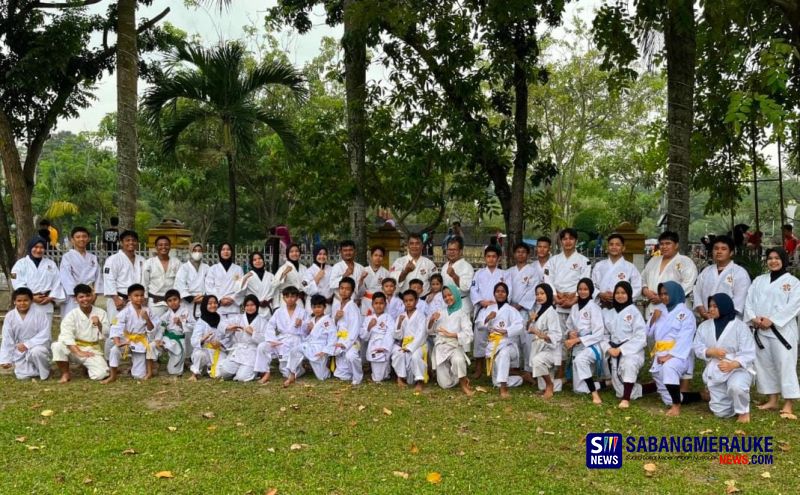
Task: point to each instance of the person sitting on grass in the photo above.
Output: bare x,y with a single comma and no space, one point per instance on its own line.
409,359
240,342
627,340
79,340
453,338
176,325
207,340
502,323
26,338
548,333
377,331
347,350
317,346
586,339
134,334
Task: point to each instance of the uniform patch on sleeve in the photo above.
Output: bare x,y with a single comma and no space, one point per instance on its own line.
106,270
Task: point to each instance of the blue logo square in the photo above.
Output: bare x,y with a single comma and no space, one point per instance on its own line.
604,450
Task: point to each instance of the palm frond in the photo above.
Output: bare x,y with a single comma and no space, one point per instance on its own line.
282,127
58,209
277,73
173,128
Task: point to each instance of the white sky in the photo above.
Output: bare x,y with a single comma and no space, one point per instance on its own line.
211,26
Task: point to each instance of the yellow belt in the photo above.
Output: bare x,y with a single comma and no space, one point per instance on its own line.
138,338
409,339
661,346
214,358
495,339
341,334
86,343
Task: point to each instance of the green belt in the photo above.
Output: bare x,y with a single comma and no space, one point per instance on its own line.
175,336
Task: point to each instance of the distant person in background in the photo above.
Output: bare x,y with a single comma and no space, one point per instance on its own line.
48,233
740,237
754,241
111,236
789,240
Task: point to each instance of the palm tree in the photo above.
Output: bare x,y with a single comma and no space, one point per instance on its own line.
215,88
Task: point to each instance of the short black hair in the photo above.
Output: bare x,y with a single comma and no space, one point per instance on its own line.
114,221
389,280
410,292
128,233
378,248
568,231
787,226
290,291
44,222
172,293
416,281
378,295
82,289
437,276
347,243
522,245
724,239
669,235
349,281
456,240
318,300
79,229
164,238
133,288
492,249
616,236
415,235
22,291
544,238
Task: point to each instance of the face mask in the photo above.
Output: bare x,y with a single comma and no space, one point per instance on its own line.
197,256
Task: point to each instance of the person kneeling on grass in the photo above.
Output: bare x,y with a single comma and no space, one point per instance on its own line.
377,330
240,342
26,338
175,324
283,333
409,359
134,334
586,340
347,349
317,346
545,326
453,337
627,340
503,325
728,348
79,340
207,340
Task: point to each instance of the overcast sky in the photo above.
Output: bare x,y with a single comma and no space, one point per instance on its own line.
212,26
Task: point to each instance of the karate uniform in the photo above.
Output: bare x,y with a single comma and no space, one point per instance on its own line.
502,353
606,274
523,284
730,392
292,279
321,338
191,282
119,273
225,283
465,274
283,327
206,357
174,337
261,288
563,274
546,356
776,366
483,290
323,288
158,281
372,284
44,279
131,328
411,365
395,307
587,356
627,332
34,331
241,349
268,344
77,329
337,274
381,336
423,269
679,269
348,328
673,334
449,357
733,281
78,269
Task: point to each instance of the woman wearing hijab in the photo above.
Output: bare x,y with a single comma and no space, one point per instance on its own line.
587,339
207,340
40,275
772,304
316,279
548,332
503,325
726,345
453,339
240,341
224,281
672,327
258,282
627,339
288,275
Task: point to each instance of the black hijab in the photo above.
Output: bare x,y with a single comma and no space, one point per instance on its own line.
628,290
500,304
775,275
297,262
254,300
318,249
258,271
548,292
32,244
207,316
228,262
726,312
590,284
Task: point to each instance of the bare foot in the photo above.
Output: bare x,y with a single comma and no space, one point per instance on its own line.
264,379
596,398
768,406
401,382
65,377
418,387
110,379
466,388
674,410
527,377
504,392
743,418
289,380
548,393
147,376
193,378
705,395
624,404
477,375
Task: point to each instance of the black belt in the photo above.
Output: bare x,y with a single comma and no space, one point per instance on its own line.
123,296
157,299
778,336
45,293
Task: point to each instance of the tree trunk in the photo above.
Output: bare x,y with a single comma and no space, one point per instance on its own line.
679,38
355,70
523,157
127,96
232,204
21,205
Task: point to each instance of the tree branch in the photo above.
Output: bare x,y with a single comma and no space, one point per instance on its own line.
65,5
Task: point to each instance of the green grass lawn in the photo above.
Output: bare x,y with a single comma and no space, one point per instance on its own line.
348,443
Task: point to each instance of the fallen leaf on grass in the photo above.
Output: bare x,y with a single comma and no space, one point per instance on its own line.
283,409
21,439
47,413
272,450
784,446
730,487
295,446
295,407
172,428
481,389
766,475
649,469
212,428
414,449
129,452
361,407
549,433
164,474
387,412
239,423
434,478
88,481
706,432
209,415
34,447
461,453
401,474
741,433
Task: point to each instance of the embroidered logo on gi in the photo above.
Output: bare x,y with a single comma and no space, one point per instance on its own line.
681,316
473,283
382,325
585,315
604,450
729,279
621,275
574,266
547,271
423,271
678,265
787,288
501,324
326,324
629,318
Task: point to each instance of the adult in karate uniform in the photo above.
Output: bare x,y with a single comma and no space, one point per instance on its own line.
412,266
724,276
607,273
347,267
317,279
564,270
459,272
224,281
26,338
482,295
726,344
258,283
290,274
40,275
121,270
587,339
78,266
771,308
190,280
452,341
159,275
523,278
372,278
669,266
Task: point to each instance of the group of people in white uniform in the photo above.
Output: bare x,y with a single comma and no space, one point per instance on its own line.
544,322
